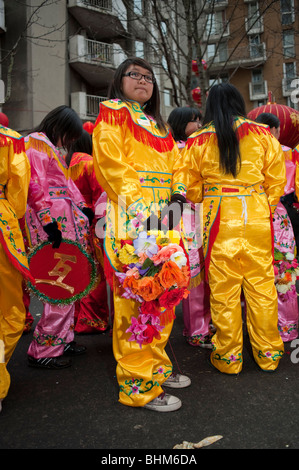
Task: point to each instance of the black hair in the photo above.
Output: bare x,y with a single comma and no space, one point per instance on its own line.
153,104
61,123
224,104
179,118
268,118
83,144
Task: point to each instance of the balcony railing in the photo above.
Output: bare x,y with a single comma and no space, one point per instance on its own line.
102,4
92,104
90,51
86,106
240,56
99,51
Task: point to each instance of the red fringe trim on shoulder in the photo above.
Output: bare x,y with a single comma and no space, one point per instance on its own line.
246,127
122,116
200,139
18,144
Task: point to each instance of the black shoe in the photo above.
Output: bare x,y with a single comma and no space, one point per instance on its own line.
72,349
49,362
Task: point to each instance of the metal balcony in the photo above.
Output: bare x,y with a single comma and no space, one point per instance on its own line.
102,19
250,55
95,61
86,106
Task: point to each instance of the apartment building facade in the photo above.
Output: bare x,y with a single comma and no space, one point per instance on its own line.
66,51
257,46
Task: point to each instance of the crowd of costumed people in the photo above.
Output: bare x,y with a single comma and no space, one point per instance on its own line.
135,217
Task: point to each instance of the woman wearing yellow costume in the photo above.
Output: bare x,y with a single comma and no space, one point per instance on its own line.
134,155
14,183
237,168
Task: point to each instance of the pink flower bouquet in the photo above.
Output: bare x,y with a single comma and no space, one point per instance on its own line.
156,274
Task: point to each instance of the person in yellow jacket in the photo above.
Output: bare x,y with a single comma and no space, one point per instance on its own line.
14,184
134,155
237,168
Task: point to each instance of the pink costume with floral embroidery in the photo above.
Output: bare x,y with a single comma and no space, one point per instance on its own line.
196,308
284,241
52,197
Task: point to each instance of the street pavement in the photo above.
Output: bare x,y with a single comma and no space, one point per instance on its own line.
78,408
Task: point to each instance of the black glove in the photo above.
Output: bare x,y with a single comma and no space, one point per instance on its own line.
89,213
152,223
173,211
54,234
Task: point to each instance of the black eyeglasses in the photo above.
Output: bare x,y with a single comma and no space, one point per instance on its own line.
139,76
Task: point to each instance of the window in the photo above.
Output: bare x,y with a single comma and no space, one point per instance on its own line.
139,49
288,43
215,24
287,11
255,46
217,52
216,80
258,86
289,71
167,97
137,7
254,20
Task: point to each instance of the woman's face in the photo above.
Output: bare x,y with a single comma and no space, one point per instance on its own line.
137,90
192,126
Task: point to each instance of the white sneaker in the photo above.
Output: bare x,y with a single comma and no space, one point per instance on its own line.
177,381
164,403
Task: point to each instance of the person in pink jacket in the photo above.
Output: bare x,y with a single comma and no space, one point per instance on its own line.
56,209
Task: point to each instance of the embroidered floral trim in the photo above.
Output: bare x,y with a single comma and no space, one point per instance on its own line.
44,216
287,329
7,228
48,340
268,355
95,323
137,386
179,188
206,225
229,360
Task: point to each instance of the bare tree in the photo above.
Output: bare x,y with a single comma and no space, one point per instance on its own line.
180,31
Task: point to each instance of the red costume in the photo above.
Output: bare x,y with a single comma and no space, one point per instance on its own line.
91,313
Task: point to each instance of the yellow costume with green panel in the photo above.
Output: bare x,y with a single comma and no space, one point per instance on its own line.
133,162
237,239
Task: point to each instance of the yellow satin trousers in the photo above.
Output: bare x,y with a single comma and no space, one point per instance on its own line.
241,258
140,371
12,316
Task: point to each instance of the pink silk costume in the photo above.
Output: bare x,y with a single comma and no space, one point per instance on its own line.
91,313
196,308
284,241
237,239
14,183
52,197
133,160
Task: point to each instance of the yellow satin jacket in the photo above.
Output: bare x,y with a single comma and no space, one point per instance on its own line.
262,175
133,162
14,183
